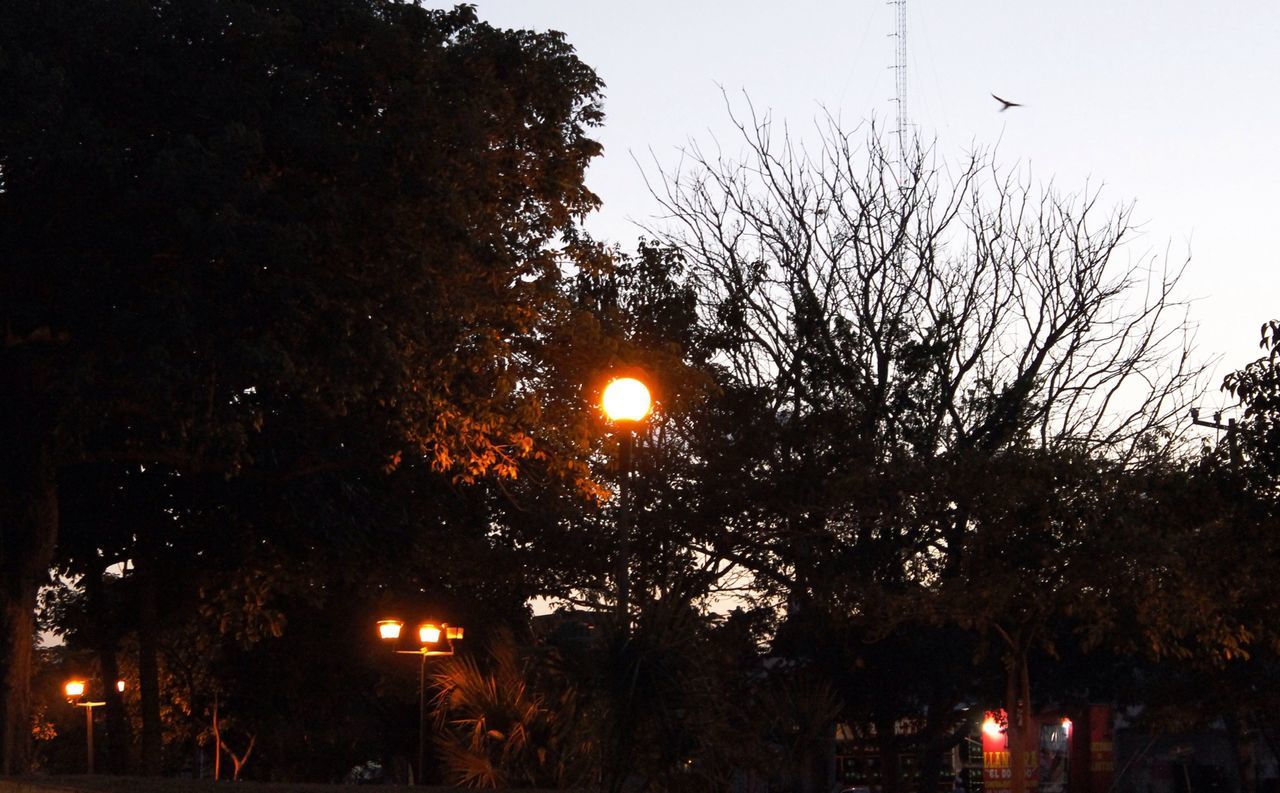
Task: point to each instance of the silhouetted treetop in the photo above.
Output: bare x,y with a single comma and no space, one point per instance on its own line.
223,216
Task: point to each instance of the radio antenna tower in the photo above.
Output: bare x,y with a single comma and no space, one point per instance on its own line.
900,77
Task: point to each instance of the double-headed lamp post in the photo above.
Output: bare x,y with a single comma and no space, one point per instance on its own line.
626,402
74,690
434,639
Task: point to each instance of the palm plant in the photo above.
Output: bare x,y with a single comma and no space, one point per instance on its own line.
496,729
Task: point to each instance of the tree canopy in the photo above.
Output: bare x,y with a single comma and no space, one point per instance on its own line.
299,323
344,220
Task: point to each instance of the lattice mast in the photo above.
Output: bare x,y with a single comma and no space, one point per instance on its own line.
900,78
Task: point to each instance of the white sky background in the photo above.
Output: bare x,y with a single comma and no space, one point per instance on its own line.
1170,103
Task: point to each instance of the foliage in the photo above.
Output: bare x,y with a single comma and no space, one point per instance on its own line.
502,732
295,196
932,359
316,334
1257,386
340,227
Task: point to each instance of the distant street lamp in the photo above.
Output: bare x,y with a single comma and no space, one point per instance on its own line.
74,690
626,402
429,635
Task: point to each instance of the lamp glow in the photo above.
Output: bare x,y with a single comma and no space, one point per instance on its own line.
389,629
429,636
120,686
74,689
428,633
991,727
626,399
1066,726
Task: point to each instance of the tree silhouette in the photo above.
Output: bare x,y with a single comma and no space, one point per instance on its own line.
906,340
353,215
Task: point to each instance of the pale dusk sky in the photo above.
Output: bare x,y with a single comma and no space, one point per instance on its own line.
1170,104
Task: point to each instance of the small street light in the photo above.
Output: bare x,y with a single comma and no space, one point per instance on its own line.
626,402
74,691
389,629
429,636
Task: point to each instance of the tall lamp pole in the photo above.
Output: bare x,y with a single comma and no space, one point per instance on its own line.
429,637
74,690
626,402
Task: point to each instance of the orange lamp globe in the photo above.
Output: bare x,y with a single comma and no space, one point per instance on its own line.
428,633
74,689
389,629
626,399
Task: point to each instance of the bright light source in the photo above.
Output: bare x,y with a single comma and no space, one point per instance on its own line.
120,686
428,633
991,727
1066,726
626,399
74,689
389,629
452,632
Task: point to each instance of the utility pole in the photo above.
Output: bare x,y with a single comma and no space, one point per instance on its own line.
1233,448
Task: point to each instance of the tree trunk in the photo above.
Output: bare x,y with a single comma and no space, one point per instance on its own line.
217,743
888,745
238,760
149,672
28,532
1017,695
1244,751
104,641
17,626
938,738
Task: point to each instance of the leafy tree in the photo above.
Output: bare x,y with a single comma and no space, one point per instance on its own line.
1232,491
1257,386
220,217
634,316
254,575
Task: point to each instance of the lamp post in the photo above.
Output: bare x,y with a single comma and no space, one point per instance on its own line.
429,636
626,402
74,690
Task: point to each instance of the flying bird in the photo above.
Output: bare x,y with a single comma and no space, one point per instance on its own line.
1007,104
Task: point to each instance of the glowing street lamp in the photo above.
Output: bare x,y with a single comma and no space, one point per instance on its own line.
428,633
626,402
74,690
389,629
626,399
430,645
